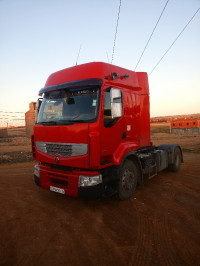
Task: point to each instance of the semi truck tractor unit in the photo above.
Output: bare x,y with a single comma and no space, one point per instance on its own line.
92,134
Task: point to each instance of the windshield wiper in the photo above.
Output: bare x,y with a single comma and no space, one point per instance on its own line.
60,122
65,122
77,121
70,121
46,123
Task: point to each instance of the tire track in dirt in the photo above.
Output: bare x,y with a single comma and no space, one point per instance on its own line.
164,224
159,225
106,226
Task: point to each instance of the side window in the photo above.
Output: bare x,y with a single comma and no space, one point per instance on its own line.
108,120
107,106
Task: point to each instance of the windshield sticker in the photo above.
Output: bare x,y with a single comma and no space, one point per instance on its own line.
94,103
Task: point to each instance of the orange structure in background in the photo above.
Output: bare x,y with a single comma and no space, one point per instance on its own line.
185,126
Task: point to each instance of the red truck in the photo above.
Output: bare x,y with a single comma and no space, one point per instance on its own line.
92,135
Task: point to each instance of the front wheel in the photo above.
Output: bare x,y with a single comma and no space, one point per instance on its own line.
129,175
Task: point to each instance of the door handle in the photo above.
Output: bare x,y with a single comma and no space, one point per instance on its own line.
124,135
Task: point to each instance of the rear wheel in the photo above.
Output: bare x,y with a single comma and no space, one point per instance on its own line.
128,180
174,167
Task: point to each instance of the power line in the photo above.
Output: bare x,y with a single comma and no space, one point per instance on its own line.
151,35
174,41
120,2
6,112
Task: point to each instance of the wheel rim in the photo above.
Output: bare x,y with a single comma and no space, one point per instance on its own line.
128,180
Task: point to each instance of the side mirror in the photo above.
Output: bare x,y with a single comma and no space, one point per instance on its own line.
38,104
116,103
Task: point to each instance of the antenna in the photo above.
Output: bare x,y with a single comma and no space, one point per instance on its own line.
120,2
78,55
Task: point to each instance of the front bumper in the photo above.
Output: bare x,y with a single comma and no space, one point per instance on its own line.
68,181
92,192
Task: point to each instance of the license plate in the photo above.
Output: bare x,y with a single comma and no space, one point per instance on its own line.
58,190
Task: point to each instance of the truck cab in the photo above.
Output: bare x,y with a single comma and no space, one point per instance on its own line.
92,134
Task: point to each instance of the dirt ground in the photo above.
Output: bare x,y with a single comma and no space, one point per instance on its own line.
159,225
16,147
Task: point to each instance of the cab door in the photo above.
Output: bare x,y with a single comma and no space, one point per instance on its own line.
112,125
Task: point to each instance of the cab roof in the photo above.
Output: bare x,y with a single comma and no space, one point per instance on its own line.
109,74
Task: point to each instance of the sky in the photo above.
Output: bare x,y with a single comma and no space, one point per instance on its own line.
39,37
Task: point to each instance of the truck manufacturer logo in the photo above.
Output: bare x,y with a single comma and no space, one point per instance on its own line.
57,159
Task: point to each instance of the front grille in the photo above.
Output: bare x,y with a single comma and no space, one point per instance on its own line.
62,149
55,175
61,167
59,182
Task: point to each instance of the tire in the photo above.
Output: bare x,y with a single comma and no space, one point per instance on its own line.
128,178
174,167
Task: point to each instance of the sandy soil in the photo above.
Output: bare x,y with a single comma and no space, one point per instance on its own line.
159,225
188,143
16,147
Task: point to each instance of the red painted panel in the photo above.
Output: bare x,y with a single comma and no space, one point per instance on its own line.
77,133
104,143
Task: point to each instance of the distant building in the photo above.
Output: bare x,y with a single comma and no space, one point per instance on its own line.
185,126
30,118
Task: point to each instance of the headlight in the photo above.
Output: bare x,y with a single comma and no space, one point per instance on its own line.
86,181
37,171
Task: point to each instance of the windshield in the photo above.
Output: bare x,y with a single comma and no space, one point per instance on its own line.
69,106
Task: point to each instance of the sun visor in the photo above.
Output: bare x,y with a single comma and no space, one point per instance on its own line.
72,84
